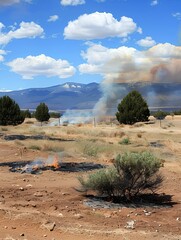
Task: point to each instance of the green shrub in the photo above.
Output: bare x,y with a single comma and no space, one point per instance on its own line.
125,141
102,181
131,174
35,147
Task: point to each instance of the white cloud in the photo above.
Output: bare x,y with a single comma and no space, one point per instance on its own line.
72,2
53,18
41,65
165,51
126,64
98,26
11,2
177,15
154,2
1,26
2,52
26,30
146,42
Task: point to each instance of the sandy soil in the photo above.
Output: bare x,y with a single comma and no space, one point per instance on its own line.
31,203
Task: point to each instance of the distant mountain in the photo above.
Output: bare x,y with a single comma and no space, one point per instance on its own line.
73,95
60,97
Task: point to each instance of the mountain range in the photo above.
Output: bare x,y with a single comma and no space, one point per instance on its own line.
60,97
73,95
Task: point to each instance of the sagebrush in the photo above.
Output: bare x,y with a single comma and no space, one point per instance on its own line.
130,175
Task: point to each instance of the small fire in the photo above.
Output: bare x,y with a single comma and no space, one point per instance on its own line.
42,164
55,163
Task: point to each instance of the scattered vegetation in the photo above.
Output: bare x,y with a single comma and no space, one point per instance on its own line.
26,113
55,114
130,175
90,150
160,115
125,141
34,147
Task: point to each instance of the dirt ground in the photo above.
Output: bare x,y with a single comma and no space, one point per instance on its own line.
47,206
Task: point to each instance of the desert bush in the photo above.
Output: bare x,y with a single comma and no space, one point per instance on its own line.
125,141
29,122
131,175
103,181
139,135
34,147
4,129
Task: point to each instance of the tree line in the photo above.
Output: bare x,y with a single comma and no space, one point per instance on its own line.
133,108
10,113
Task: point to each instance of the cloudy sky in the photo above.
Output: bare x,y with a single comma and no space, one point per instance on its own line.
50,42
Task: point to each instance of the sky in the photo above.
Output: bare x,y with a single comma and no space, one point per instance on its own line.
49,42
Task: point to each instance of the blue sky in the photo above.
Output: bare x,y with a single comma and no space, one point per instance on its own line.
50,42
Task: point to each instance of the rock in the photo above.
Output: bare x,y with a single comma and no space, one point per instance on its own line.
60,215
130,224
21,188
78,216
21,234
147,213
65,194
38,194
48,225
29,185
178,219
107,215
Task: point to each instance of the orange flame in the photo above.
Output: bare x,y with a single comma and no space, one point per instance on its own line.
55,163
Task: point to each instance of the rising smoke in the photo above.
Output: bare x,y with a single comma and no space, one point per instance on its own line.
158,80
155,73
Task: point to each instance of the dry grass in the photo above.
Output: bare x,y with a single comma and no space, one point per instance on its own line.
100,142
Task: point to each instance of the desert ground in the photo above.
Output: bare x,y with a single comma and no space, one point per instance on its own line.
44,203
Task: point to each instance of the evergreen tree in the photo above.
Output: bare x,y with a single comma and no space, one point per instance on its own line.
160,115
26,113
133,108
42,113
10,113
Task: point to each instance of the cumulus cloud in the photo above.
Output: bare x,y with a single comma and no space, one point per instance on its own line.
11,2
26,30
72,2
41,65
53,18
99,25
146,42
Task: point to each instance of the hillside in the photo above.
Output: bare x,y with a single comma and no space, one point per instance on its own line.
84,96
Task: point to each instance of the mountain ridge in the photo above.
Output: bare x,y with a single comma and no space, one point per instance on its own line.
80,96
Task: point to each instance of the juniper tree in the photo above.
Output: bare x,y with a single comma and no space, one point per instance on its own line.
10,113
133,108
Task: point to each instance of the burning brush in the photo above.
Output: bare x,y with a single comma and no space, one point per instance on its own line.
52,163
